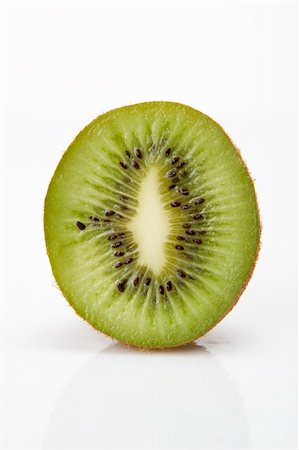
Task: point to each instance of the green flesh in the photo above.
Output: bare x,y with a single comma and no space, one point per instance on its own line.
89,182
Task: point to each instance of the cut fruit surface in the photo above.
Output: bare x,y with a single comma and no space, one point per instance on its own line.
151,224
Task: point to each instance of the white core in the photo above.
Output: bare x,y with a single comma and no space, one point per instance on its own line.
150,226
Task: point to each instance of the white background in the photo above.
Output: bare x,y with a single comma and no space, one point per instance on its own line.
67,386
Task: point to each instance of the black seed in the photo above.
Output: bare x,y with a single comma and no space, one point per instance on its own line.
191,232
181,273
181,238
118,264
186,225
81,225
187,206
167,153
197,241
199,201
175,160
182,164
123,165
116,245
171,174
128,154
138,153
128,261
136,281
184,191
121,286
161,290
172,186
112,237
169,286
148,281
179,247
202,232
106,220
175,204
197,216
119,254
109,213
94,219
135,164
119,216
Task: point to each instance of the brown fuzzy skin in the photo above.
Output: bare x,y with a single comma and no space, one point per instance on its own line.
189,342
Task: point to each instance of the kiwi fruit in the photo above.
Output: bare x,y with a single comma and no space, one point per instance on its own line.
152,224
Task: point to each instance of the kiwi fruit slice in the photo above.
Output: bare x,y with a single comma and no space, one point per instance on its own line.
152,224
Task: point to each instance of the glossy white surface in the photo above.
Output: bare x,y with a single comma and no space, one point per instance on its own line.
67,386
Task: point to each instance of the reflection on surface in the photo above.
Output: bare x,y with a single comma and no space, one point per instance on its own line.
129,399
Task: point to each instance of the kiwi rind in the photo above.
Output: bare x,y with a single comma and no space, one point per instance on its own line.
174,344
